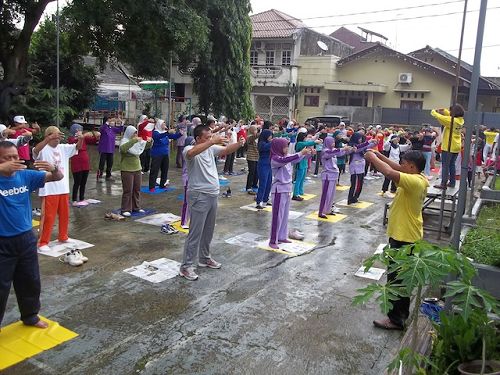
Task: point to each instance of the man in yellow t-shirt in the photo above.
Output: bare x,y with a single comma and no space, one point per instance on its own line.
405,220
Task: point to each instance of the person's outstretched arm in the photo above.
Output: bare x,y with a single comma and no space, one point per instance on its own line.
384,165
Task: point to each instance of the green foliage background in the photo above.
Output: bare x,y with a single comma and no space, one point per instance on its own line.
483,242
78,82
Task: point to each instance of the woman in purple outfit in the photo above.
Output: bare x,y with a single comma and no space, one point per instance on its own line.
109,129
330,175
281,188
357,164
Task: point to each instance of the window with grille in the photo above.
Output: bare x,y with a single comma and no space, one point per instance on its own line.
254,58
410,104
286,57
269,57
311,101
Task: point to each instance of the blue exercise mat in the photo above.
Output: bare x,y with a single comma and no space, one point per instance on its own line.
180,197
147,211
145,189
224,182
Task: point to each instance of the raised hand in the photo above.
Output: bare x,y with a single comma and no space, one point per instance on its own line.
11,166
306,151
217,139
44,166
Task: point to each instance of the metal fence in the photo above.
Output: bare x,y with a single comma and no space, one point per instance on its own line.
378,115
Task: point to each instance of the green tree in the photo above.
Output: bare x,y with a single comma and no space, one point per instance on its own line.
78,82
143,34
222,76
14,46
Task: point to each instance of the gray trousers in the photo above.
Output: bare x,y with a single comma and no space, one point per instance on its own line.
203,210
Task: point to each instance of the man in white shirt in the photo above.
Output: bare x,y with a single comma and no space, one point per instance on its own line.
55,195
202,195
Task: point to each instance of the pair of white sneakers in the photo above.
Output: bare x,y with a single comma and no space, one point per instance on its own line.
74,258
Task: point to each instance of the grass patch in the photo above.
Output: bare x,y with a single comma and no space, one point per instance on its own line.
497,183
483,242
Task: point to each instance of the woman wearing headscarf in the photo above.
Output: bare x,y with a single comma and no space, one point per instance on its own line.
160,154
131,147
340,141
264,168
357,164
394,149
281,165
80,163
452,121
300,175
329,176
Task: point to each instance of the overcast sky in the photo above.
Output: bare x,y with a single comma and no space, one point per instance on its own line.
404,34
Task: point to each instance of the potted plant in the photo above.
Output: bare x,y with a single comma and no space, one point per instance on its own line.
420,266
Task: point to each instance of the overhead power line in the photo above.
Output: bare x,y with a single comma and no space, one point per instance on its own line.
360,13
372,22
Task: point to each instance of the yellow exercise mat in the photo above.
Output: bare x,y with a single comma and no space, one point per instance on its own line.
360,204
177,225
35,223
19,342
308,196
342,187
330,218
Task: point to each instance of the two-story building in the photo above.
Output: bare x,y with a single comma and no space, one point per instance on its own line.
298,73
283,63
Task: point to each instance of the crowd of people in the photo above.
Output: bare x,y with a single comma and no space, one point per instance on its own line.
279,156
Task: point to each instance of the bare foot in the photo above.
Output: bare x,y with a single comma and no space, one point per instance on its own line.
40,324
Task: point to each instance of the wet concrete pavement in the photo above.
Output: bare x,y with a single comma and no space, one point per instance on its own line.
262,313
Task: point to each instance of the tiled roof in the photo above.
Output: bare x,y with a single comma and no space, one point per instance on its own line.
446,55
484,82
378,47
274,24
354,40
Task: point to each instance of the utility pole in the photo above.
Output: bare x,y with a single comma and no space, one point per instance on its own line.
470,118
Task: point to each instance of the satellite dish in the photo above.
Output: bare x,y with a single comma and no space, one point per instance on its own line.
322,45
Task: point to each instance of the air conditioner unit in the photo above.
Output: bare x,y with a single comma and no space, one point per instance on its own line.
404,78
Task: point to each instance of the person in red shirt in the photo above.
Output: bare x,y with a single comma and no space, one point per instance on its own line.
21,127
242,133
145,131
80,163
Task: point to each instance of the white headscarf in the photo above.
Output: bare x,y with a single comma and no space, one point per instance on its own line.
137,148
159,126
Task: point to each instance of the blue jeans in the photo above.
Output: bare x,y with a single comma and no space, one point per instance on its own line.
298,189
427,156
448,170
265,181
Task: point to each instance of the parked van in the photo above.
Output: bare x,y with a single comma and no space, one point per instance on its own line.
328,120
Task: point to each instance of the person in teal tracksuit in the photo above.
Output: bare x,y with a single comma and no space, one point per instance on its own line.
300,177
